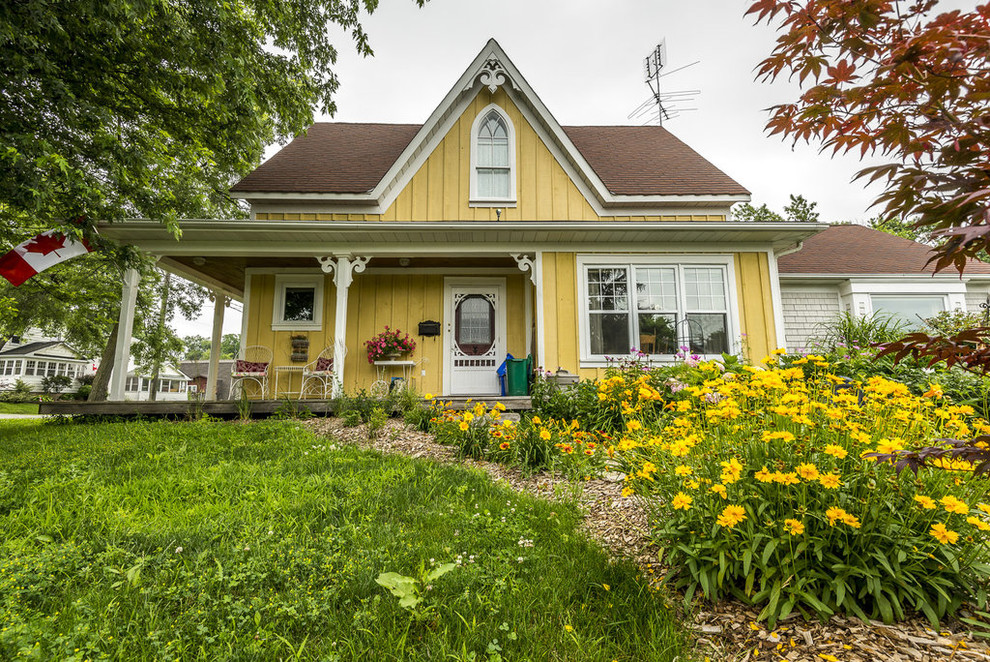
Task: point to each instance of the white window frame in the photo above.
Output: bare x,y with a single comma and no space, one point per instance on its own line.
475,200
630,262
285,281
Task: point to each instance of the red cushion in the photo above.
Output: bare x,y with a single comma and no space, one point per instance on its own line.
324,364
250,366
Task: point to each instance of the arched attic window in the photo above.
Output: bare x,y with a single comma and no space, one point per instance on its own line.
493,158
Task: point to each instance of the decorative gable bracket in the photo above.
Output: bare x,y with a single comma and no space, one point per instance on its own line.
493,74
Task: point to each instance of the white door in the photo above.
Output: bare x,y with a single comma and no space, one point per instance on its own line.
474,335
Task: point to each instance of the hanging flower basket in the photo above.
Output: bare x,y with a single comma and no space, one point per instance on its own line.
390,343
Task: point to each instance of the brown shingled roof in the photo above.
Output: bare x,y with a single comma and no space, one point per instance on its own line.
648,160
331,157
352,158
855,249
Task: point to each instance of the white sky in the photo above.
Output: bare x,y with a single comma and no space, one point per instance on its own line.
584,58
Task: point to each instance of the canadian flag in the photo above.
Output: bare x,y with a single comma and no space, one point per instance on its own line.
37,254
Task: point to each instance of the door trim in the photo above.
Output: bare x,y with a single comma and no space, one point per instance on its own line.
449,283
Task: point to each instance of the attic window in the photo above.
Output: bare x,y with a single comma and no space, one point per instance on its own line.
493,158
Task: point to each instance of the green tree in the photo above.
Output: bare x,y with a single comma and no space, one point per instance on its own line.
197,348
156,344
798,210
230,345
152,108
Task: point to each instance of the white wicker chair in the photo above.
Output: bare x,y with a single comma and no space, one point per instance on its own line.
261,358
319,375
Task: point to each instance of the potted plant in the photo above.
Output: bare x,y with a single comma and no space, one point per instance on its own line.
389,344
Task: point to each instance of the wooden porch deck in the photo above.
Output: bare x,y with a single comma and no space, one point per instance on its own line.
228,408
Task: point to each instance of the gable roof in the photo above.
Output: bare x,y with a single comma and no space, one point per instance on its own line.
385,156
340,157
856,249
35,347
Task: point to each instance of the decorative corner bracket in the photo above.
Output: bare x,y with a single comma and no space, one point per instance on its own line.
525,263
493,74
343,268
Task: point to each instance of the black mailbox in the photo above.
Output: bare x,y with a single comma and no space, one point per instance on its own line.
429,328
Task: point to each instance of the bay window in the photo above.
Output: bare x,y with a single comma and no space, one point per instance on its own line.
655,307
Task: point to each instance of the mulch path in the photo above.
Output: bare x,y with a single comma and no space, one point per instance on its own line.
724,631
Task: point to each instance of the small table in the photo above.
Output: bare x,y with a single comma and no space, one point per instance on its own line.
289,371
381,386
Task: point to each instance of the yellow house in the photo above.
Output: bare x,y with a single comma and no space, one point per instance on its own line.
510,232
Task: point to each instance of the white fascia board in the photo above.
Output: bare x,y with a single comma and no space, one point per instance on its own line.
901,286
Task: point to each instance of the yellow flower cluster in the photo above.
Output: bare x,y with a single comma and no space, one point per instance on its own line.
791,434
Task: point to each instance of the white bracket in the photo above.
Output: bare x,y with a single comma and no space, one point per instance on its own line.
343,268
525,263
493,75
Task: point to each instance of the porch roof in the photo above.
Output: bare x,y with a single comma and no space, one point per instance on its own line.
266,240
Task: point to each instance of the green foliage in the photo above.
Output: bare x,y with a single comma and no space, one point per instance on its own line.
851,330
18,392
798,210
951,322
899,227
350,417
55,384
260,541
197,348
376,421
410,591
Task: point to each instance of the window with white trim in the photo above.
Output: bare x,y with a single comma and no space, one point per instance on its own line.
655,308
29,368
298,303
910,308
132,384
493,158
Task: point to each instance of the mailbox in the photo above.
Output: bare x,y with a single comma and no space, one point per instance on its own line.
429,328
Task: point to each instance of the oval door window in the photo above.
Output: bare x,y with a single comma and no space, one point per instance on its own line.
474,325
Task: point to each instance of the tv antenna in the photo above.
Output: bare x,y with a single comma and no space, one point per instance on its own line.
662,105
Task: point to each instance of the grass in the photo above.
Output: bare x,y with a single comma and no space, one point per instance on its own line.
18,407
160,541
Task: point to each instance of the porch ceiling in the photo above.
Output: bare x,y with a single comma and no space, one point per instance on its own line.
251,243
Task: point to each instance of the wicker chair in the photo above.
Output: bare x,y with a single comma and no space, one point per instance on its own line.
319,375
254,366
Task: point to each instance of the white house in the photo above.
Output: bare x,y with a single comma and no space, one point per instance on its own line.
173,385
30,360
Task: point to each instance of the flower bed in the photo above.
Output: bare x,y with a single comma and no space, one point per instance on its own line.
533,443
758,487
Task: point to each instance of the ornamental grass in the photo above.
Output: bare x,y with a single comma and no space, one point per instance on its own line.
759,486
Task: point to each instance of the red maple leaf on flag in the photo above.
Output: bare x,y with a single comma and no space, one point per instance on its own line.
45,244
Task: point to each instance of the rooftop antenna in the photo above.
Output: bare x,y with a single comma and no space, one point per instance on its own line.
662,105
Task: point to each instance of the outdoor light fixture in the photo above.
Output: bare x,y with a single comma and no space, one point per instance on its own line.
404,261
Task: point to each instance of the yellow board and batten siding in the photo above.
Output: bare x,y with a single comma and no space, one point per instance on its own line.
399,301
561,310
440,189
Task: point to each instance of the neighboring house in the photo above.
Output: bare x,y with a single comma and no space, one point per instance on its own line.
35,359
199,371
488,229
172,385
859,270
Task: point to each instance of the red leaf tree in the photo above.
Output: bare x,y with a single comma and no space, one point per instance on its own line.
901,81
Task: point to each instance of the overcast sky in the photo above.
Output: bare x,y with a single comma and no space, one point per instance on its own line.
584,58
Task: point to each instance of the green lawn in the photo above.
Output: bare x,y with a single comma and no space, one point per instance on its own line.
18,407
157,541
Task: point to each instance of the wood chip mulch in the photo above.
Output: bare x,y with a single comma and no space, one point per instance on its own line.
724,631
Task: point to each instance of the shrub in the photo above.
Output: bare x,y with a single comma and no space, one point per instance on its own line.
350,417
851,330
758,488
55,384
376,421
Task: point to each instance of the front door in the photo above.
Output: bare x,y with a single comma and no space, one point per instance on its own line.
474,335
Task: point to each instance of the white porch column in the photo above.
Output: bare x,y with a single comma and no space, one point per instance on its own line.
535,269
343,270
541,347
219,304
122,356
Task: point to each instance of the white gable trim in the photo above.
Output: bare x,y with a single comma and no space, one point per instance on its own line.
493,68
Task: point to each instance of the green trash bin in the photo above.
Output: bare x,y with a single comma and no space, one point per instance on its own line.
517,376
